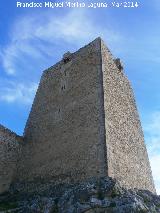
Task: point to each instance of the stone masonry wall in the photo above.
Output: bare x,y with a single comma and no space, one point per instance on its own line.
84,123
9,153
126,152
64,135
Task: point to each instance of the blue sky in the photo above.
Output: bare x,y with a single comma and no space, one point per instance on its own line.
32,39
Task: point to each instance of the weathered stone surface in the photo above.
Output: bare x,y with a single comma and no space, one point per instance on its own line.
83,124
126,152
10,147
65,131
102,195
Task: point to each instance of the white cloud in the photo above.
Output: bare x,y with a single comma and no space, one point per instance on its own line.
154,125
153,144
33,36
33,43
154,161
19,93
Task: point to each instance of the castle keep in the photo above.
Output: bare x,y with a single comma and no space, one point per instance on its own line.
83,123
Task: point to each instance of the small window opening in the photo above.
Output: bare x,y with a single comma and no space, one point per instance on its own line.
63,87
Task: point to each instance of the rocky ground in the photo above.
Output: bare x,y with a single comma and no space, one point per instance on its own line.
94,196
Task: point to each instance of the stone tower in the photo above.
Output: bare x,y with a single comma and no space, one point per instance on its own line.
84,123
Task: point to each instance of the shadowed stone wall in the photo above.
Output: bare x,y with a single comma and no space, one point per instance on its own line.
126,152
10,147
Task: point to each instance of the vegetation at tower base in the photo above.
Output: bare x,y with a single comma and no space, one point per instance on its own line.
96,195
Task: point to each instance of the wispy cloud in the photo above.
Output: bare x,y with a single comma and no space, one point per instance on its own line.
34,42
20,93
152,130
153,127
154,161
33,36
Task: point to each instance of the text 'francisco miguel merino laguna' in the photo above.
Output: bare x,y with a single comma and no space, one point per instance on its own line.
75,4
